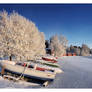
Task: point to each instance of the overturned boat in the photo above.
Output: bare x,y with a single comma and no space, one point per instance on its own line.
42,67
50,59
45,63
12,67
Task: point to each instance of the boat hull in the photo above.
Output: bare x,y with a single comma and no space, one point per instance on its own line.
30,73
45,67
29,76
47,63
49,60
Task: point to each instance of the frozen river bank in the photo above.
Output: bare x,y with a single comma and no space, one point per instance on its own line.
77,74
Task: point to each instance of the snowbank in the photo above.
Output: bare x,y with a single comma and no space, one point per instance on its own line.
77,74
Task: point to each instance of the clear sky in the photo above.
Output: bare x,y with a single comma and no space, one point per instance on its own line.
72,20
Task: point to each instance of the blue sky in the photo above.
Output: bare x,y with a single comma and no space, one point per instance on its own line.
71,20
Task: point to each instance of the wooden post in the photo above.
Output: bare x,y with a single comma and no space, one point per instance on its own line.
3,71
45,83
10,58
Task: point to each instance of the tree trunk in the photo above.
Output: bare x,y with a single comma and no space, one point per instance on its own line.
10,58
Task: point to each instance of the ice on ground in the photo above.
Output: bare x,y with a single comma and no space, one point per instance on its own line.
77,74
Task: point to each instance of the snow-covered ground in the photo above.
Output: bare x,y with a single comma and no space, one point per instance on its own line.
77,74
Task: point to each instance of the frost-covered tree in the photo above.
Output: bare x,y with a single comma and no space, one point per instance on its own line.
85,51
58,45
77,51
63,41
71,49
20,37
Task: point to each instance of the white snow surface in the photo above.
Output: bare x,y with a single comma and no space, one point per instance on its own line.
77,74
4,83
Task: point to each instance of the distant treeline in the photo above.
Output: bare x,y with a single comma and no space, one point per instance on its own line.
83,50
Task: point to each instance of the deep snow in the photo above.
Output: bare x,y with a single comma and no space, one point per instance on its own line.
77,74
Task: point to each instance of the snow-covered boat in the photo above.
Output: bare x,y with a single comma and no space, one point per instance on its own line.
50,59
46,63
42,67
13,67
